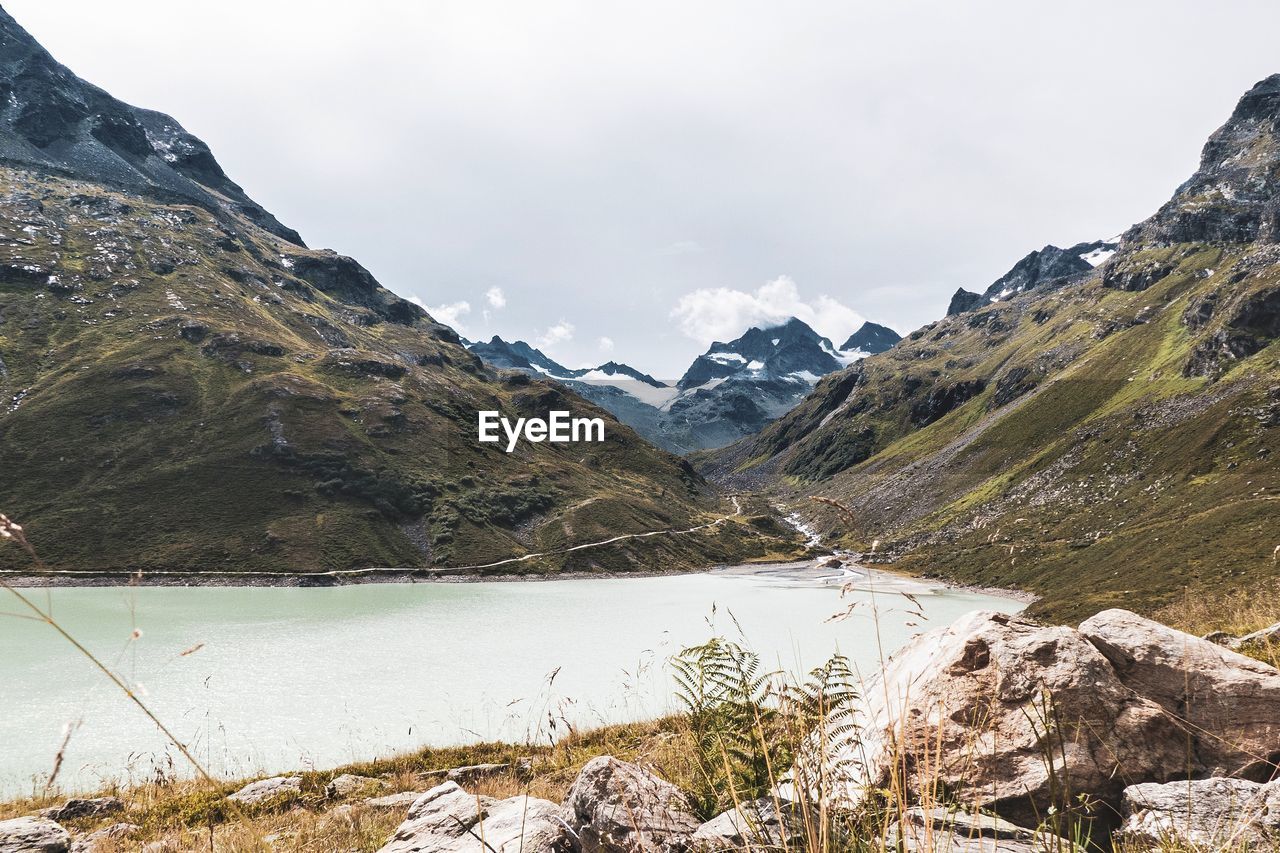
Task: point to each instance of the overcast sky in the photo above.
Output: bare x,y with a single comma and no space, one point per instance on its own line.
632,180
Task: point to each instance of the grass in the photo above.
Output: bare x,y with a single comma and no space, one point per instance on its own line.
1117,481
1237,613
212,413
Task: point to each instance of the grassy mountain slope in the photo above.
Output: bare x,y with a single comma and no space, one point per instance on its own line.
184,390
1109,442
184,385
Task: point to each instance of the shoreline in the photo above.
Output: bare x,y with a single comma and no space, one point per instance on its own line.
808,571
865,578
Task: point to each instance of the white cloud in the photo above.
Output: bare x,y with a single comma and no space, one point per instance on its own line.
606,344
450,313
557,334
495,297
722,313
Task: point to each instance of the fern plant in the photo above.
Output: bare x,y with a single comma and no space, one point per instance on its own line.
748,724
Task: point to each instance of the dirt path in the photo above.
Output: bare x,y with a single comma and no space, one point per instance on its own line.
389,573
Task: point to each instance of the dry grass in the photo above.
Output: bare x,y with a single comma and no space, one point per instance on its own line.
181,813
1237,613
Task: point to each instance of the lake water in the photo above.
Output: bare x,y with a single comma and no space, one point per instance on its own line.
287,678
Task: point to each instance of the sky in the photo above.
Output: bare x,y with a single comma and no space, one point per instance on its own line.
630,181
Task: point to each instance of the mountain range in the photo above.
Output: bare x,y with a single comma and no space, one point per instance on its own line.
731,390
186,385
1043,269
1097,435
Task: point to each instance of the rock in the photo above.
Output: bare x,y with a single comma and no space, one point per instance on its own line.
447,818
1212,814
1219,638
756,825
830,563
463,775
347,784
1258,639
265,790
981,709
165,846
618,807
402,800
963,301
32,835
78,808
104,837
939,830
1230,702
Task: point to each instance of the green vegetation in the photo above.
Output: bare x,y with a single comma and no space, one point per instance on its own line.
180,390
1099,447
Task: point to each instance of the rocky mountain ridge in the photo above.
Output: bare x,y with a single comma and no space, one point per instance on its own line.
1095,437
1044,269
871,338
732,390
186,386
51,120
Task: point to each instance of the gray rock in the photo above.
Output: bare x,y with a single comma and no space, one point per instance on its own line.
763,824
403,800
348,784
78,808
618,807
265,790
165,846
1266,636
33,835
1214,814
447,819
967,707
473,772
1229,702
939,830
99,838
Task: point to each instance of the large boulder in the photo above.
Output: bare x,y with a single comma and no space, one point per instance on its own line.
1230,704
1209,814
1005,715
448,819
33,835
618,807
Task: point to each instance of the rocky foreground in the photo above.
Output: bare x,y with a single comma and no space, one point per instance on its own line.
996,733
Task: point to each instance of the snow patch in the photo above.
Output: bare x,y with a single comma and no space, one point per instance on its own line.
848,357
1097,257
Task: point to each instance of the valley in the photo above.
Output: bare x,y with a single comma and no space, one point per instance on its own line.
262,513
